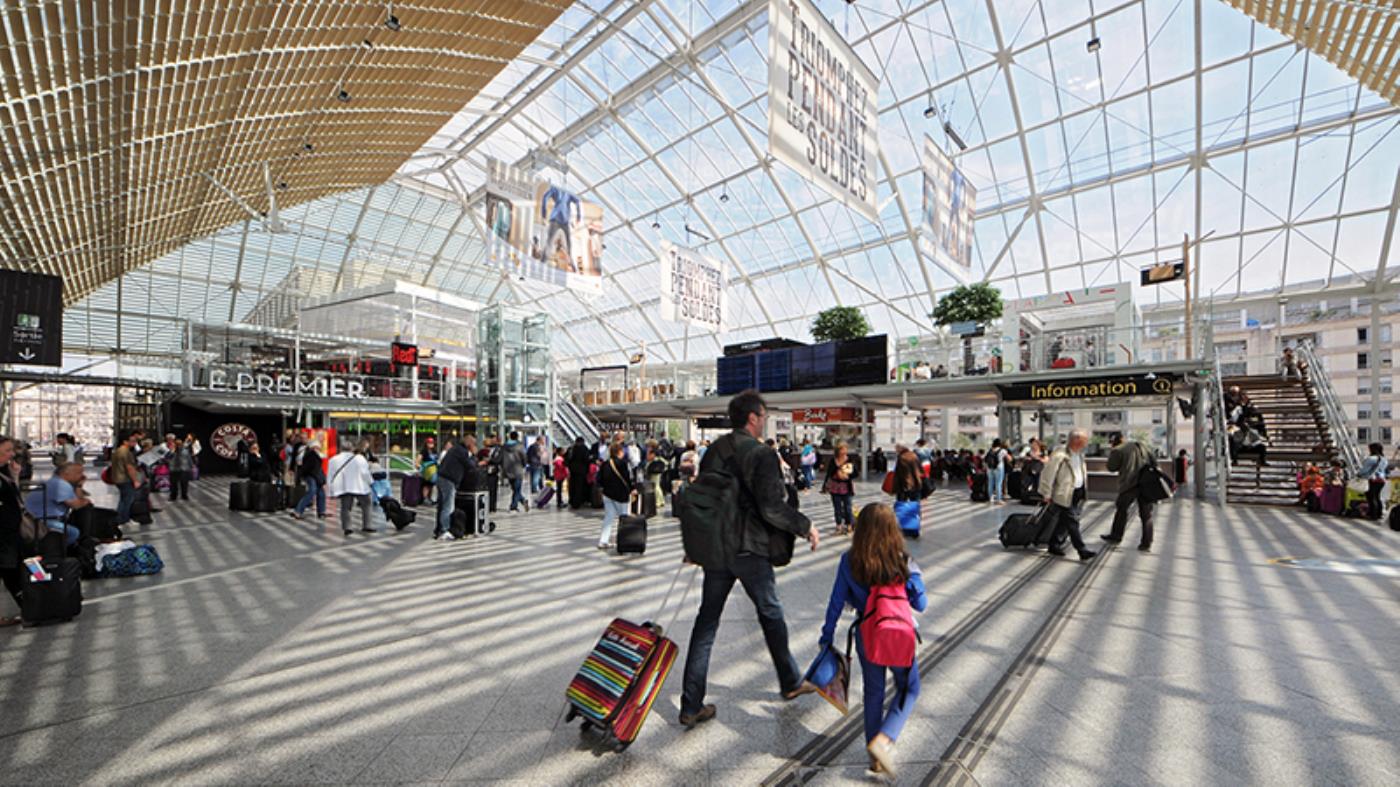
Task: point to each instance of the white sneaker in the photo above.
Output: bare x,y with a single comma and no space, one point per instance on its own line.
446,537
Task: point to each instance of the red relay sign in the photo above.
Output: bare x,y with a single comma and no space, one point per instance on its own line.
403,354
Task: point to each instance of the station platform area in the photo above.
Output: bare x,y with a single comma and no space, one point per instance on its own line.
272,651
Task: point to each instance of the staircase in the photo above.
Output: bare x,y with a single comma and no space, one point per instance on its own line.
1298,433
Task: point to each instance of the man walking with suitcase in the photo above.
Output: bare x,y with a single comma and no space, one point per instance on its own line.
1064,485
1128,459
767,527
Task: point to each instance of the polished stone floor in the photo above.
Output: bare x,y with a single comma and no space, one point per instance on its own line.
276,651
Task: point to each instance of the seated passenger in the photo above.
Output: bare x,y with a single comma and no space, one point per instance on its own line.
62,493
1310,482
259,472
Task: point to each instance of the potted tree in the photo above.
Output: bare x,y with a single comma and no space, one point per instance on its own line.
839,323
979,303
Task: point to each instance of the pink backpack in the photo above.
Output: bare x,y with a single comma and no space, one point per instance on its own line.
887,627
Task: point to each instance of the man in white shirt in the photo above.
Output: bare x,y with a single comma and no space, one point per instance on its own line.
1064,485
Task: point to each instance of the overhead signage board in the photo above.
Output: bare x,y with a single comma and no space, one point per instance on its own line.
284,384
31,318
1163,273
692,287
949,202
541,230
1090,388
969,328
403,354
827,415
822,113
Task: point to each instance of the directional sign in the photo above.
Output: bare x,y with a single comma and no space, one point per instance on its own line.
31,318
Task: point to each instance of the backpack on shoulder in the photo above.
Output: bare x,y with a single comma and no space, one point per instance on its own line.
992,459
709,513
887,629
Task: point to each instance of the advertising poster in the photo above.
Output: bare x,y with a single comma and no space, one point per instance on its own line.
822,117
542,231
945,230
692,287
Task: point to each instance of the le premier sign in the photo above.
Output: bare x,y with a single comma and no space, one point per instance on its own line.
286,384
1094,388
31,318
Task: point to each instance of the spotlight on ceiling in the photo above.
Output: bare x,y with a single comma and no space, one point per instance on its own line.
953,135
929,111
392,22
343,95
307,146
1093,45
724,196
281,185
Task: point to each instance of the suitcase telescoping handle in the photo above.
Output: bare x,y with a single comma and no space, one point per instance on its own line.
660,631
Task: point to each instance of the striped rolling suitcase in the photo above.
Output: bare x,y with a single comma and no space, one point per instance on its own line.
620,679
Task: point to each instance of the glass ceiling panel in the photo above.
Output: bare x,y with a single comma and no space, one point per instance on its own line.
1109,137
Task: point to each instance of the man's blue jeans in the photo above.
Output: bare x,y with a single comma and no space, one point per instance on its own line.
536,479
447,503
126,495
755,573
995,479
70,533
516,497
314,491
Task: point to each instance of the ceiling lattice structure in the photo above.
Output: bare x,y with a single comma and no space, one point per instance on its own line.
1190,118
132,128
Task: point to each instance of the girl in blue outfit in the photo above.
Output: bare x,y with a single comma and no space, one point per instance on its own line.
876,558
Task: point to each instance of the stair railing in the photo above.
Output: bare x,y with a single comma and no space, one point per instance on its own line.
1221,438
1332,413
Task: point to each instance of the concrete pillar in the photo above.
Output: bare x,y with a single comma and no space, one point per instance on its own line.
864,443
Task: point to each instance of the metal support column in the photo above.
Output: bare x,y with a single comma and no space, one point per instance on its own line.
864,442
1198,446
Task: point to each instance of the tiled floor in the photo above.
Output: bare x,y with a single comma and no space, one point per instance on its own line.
275,651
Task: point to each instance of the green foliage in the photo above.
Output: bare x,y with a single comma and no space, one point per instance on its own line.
839,322
980,303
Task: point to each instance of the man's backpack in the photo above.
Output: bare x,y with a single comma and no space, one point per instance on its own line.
1153,485
992,459
709,512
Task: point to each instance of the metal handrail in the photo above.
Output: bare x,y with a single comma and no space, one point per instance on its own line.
1331,405
1222,448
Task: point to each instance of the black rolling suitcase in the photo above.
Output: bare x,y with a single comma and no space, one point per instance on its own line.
397,515
632,528
291,495
141,510
56,601
266,496
1028,530
597,501
979,488
646,501
94,522
1013,485
470,516
240,496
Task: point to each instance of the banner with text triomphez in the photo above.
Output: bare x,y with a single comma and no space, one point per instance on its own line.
541,230
945,231
31,318
821,105
692,287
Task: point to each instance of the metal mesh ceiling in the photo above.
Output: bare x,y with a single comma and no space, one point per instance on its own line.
1191,118
132,128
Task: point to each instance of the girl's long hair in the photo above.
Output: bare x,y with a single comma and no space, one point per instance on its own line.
877,549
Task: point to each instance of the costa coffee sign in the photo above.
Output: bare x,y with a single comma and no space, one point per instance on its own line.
826,415
225,439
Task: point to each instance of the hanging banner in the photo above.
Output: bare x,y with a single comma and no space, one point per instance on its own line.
31,318
822,114
542,231
692,287
945,231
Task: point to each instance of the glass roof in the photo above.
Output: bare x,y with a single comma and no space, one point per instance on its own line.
1084,164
